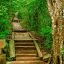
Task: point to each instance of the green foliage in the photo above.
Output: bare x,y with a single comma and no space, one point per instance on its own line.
34,16
39,20
4,19
48,42
4,28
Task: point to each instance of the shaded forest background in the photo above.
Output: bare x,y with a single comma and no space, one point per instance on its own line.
34,16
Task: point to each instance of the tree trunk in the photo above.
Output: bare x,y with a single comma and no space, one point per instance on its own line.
55,8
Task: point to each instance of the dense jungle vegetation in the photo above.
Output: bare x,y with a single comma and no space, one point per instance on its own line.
34,16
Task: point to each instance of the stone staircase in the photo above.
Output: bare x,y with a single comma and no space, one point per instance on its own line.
25,49
26,52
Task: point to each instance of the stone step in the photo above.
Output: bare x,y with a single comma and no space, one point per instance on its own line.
24,43
18,51
26,55
25,40
25,47
27,58
27,62
22,36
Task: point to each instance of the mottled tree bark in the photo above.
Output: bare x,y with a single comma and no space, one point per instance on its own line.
55,9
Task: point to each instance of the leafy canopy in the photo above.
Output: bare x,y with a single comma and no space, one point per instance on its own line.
34,16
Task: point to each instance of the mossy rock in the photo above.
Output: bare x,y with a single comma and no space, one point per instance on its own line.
46,57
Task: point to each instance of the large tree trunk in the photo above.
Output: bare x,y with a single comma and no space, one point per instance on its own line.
55,8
